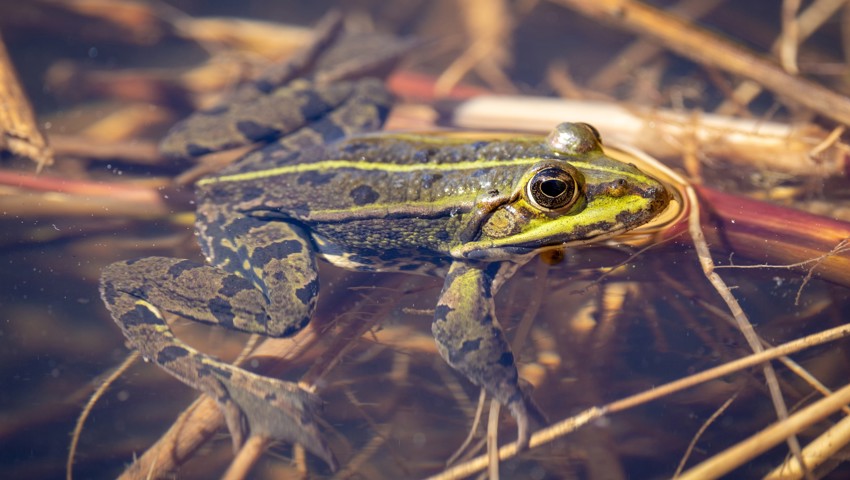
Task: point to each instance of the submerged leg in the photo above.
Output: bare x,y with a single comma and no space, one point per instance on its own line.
471,340
137,292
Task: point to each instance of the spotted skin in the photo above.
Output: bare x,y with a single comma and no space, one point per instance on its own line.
273,299
261,276
259,119
471,340
433,205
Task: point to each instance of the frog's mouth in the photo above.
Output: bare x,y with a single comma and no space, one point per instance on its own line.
517,252
582,229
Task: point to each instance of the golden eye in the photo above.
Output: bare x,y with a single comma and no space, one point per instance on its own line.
553,188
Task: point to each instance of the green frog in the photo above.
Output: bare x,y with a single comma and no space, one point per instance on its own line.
471,211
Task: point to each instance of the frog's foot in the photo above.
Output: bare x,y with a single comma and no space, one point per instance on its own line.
470,339
525,410
256,405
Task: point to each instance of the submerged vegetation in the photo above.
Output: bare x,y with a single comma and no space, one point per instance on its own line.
656,356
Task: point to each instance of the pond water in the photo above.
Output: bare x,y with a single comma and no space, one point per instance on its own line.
393,408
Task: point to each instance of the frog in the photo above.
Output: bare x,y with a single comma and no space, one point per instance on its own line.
326,184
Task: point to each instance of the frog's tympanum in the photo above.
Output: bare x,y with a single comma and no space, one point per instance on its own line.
471,211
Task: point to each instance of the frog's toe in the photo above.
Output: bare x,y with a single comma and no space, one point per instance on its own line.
257,405
523,434
525,410
233,418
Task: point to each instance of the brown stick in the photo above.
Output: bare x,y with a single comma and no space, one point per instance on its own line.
246,458
203,418
777,235
737,455
568,425
708,49
18,131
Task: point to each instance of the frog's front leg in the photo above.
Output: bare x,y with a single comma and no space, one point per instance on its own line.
471,340
275,298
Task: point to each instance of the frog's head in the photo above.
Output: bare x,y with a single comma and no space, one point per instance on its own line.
576,195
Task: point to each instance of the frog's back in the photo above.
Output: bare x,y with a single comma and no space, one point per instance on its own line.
383,196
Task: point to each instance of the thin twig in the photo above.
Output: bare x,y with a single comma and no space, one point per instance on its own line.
493,440
711,50
714,416
474,428
743,323
575,422
19,133
790,38
732,457
541,274
248,455
815,15
816,453
640,52
81,420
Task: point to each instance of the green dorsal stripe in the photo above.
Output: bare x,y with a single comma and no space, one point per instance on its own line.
395,168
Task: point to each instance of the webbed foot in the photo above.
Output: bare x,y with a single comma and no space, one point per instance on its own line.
252,404
525,411
256,405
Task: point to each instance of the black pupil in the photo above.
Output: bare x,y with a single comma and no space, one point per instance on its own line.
553,187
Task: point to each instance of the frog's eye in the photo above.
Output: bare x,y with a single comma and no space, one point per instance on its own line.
553,188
